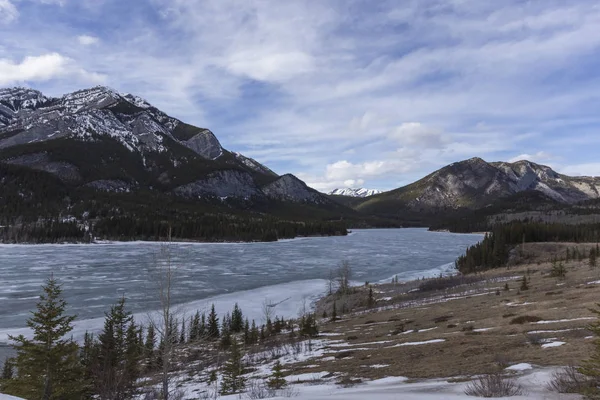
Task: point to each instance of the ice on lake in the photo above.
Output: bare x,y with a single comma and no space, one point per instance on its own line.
292,273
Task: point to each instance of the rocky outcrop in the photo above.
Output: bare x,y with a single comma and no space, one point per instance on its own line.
290,188
222,184
206,144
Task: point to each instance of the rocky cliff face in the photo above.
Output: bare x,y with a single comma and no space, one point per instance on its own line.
290,188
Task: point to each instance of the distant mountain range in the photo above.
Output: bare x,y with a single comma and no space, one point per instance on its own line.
129,144
113,161
474,183
100,141
352,192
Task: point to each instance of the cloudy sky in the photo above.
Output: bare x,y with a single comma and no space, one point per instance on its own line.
341,92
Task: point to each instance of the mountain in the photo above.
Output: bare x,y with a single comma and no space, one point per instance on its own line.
98,143
351,192
475,183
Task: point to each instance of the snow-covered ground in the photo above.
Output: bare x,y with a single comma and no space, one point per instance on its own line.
319,386
532,379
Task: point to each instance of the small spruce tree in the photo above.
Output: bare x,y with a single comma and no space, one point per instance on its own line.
233,379
213,324
371,299
334,312
48,366
524,285
277,381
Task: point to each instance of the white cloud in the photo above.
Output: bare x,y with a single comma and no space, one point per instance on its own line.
587,169
87,40
41,68
539,157
8,12
416,134
266,66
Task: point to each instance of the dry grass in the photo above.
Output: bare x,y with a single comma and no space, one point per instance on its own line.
474,321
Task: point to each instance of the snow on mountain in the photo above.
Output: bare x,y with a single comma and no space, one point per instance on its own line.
87,114
351,192
253,164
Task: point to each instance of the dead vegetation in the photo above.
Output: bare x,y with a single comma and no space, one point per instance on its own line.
461,326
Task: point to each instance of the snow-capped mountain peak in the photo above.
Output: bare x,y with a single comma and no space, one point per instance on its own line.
354,192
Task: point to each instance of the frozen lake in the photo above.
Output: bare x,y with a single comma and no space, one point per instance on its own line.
95,276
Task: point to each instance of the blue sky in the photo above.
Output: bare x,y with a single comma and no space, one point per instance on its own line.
340,93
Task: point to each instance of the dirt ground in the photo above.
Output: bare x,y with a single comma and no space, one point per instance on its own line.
467,329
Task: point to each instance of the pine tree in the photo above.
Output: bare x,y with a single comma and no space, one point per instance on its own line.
254,333
247,334
89,355
371,299
8,371
118,356
524,285
47,367
213,324
277,381
182,332
237,319
334,312
233,380
202,327
195,327
149,348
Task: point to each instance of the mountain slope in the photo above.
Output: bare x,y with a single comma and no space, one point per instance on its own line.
97,140
474,183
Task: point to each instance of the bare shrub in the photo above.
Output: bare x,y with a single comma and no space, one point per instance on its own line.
535,339
523,319
501,360
447,282
257,389
570,380
494,385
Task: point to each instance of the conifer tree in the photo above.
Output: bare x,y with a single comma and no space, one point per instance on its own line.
524,285
48,366
254,333
8,369
213,324
247,337
149,348
237,319
118,355
233,380
371,299
334,312
277,381
202,328
195,327
591,366
182,332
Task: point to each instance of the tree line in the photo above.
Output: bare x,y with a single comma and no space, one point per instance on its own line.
493,250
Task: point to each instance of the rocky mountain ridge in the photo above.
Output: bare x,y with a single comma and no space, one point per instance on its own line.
131,145
475,183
